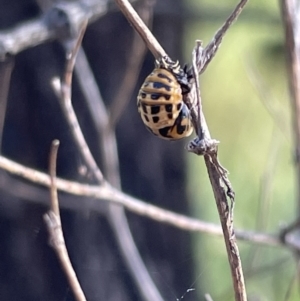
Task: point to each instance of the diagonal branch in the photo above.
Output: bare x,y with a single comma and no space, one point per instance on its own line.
144,32
53,223
108,193
63,90
212,47
6,69
51,25
134,63
116,214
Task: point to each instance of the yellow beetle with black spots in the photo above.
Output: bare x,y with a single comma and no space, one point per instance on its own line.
160,101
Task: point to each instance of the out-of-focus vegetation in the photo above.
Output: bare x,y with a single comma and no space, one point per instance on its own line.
256,145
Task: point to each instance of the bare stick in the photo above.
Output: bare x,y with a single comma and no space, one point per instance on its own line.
110,194
204,145
138,24
132,71
5,74
199,125
227,227
211,49
64,90
52,172
42,29
53,223
116,214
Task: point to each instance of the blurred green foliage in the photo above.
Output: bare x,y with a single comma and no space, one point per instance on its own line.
256,146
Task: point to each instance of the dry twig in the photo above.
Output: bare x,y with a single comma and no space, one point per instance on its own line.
211,49
105,192
53,223
133,67
116,214
48,26
6,69
64,91
144,32
203,144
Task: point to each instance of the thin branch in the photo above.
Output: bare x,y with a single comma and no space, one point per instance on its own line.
204,145
36,194
226,219
197,117
71,60
53,223
64,91
137,53
46,27
144,32
116,214
52,172
97,110
212,47
6,69
90,90
106,192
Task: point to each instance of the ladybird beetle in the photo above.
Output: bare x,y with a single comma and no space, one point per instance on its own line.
160,101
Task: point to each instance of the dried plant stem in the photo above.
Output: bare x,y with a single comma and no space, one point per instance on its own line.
144,32
212,47
6,69
116,214
106,192
52,172
38,31
132,71
64,91
227,227
53,223
204,145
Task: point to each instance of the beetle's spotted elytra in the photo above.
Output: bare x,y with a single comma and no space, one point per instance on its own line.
160,101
